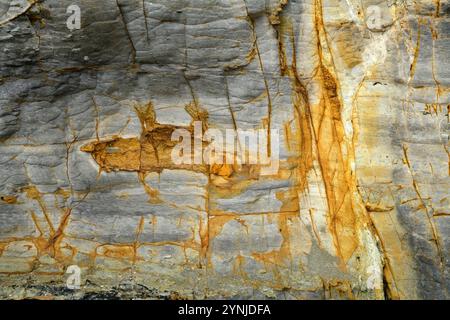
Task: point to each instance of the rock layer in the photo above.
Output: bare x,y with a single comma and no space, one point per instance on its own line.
358,209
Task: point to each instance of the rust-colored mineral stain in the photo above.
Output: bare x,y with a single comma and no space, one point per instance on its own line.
315,134
314,138
151,152
346,43
334,166
116,153
217,222
377,207
49,243
126,252
222,170
282,257
9,199
319,135
346,214
33,193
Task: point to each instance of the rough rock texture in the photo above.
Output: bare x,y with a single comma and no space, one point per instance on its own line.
359,208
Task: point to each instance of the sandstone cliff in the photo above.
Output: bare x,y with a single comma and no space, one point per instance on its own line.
358,90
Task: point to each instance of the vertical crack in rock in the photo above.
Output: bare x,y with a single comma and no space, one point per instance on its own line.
429,216
124,21
263,73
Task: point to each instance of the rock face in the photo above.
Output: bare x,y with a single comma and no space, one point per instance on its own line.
358,91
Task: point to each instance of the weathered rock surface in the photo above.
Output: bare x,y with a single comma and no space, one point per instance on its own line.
359,208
